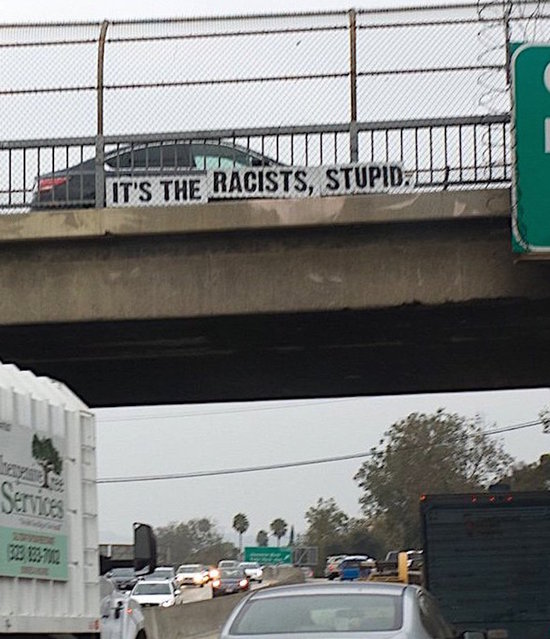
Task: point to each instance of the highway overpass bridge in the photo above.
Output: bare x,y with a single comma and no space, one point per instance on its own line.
358,295
267,298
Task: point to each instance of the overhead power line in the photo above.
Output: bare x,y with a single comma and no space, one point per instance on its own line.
507,429
296,464
226,411
233,471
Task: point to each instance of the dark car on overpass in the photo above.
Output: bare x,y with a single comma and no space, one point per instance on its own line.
75,186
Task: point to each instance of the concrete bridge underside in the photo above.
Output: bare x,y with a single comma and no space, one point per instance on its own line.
196,306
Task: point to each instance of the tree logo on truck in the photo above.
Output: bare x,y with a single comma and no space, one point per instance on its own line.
47,456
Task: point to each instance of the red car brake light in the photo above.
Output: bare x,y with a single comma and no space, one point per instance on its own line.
47,184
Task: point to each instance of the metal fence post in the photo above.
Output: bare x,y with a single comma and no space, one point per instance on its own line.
353,133
507,41
100,140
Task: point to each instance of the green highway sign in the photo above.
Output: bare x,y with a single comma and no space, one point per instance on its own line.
531,127
267,556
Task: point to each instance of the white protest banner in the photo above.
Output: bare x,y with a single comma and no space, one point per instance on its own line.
261,182
156,190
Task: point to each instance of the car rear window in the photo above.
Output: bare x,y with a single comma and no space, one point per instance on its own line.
190,568
320,614
231,573
145,588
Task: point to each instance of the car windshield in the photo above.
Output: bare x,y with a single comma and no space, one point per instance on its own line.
319,614
227,563
145,588
249,564
190,568
231,573
122,572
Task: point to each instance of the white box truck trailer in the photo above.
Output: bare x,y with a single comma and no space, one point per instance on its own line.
49,551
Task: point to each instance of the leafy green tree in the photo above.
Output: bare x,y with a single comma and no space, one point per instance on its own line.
196,540
437,453
326,525
291,537
361,538
262,538
47,455
212,554
278,528
325,521
535,476
240,524
544,416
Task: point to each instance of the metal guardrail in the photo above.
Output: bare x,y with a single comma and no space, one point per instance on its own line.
438,154
428,86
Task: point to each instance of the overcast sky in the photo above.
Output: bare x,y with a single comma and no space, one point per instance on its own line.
175,439
183,439
64,10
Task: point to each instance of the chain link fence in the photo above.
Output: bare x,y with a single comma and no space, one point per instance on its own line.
428,87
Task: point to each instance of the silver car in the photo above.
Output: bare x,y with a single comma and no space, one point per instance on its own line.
373,610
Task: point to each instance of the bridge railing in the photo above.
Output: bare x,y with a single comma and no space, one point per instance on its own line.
438,154
429,86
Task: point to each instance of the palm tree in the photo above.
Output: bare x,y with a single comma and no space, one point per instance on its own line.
278,528
262,538
240,524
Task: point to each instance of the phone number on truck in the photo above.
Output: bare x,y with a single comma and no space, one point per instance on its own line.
34,554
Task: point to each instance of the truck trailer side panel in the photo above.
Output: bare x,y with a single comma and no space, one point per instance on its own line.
48,508
487,560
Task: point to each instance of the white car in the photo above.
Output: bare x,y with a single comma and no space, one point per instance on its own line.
160,574
155,593
252,570
193,574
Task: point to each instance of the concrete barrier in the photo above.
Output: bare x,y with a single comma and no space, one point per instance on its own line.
281,575
206,618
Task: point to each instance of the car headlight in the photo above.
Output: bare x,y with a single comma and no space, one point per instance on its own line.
168,603
216,583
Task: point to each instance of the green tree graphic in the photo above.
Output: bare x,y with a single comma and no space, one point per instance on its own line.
47,455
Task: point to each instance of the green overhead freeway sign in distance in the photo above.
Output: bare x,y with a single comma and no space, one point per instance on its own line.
531,126
267,556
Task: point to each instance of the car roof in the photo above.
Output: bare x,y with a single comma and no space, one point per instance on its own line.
363,587
122,568
139,146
